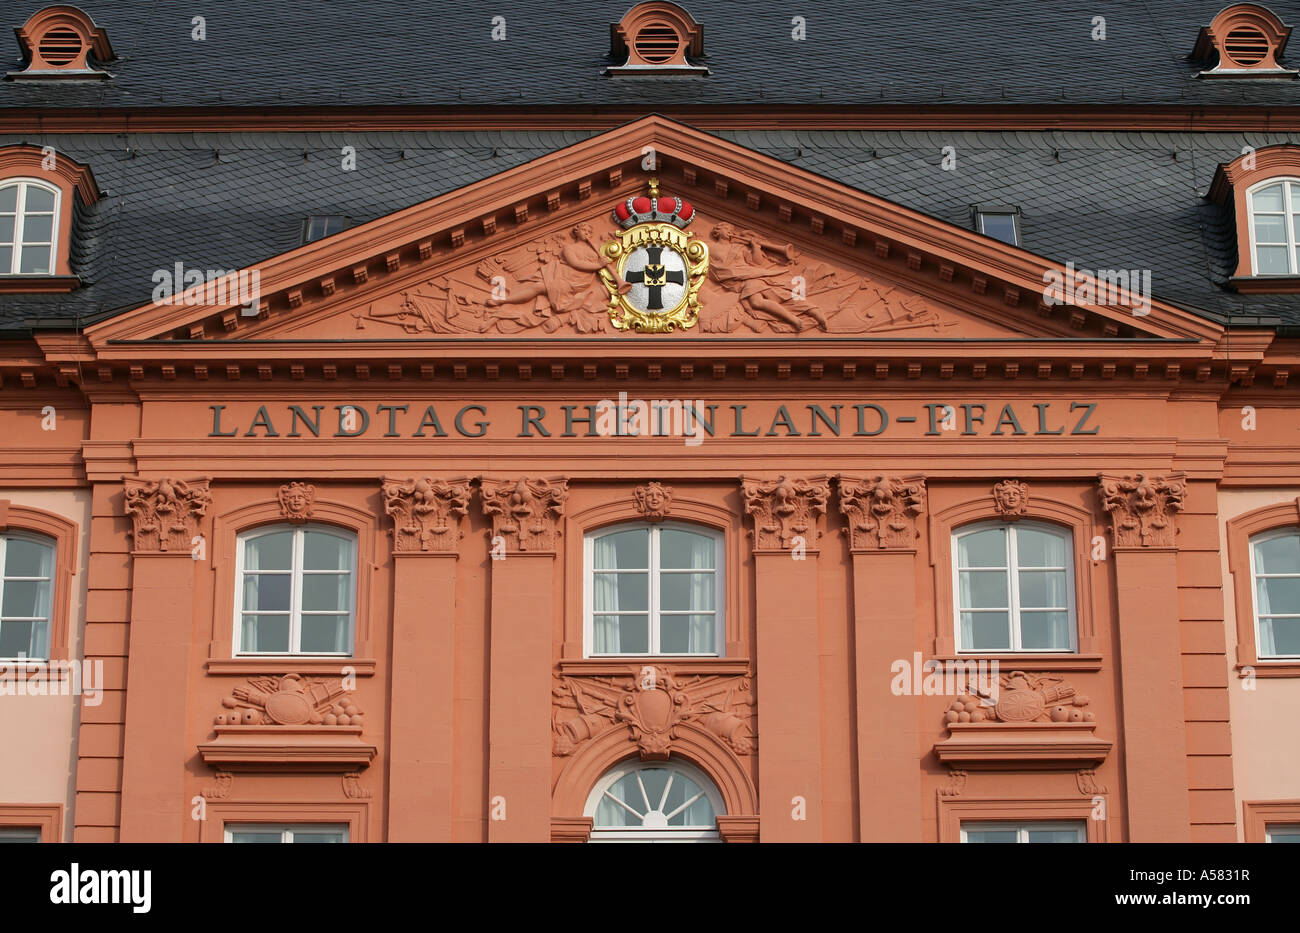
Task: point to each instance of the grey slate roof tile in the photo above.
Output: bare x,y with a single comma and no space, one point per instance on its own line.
440,52
1099,199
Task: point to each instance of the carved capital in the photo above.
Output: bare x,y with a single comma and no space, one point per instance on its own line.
787,512
1011,499
1142,508
653,501
428,514
166,512
296,501
882,513
525,512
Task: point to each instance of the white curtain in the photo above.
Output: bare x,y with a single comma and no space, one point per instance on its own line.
604,587
701,638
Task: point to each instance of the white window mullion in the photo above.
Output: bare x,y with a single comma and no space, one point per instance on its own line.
3,543
1013,589
295,594
653,591
1286,218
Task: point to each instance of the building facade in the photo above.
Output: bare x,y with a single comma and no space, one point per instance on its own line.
636,458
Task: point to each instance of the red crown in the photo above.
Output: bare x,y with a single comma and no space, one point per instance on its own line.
654,209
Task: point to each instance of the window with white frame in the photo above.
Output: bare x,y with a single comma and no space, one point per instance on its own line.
659,802
1067,831
1275,227
279,832
1282,832
28,224
20,834
1014,587
654,590
1275,570
297,591
26,594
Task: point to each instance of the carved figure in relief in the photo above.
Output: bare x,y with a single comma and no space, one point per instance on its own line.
1021,697
739,264
562,275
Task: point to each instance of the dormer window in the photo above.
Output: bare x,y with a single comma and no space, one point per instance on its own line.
1244,41
28,221
656,39
1261,189
1275,227
38,189
62,42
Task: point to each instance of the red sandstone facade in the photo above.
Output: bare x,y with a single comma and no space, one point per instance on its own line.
375,394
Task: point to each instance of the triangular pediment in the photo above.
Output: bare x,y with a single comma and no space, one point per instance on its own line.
521,254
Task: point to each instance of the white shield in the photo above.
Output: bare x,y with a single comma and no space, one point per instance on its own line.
658,278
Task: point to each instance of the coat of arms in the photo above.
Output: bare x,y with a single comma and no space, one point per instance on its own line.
659,266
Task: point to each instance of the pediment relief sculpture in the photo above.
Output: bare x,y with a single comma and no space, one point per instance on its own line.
653,276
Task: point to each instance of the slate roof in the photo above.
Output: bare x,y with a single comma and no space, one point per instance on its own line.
227,200
436,52
1103,200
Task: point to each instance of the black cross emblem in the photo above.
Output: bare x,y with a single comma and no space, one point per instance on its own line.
654,277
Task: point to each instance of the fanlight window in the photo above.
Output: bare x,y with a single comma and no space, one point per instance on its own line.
668,802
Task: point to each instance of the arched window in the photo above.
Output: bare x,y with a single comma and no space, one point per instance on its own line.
654,589
659,802
1014,587
26,595
29,212
1275,570
1275,226
296,590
